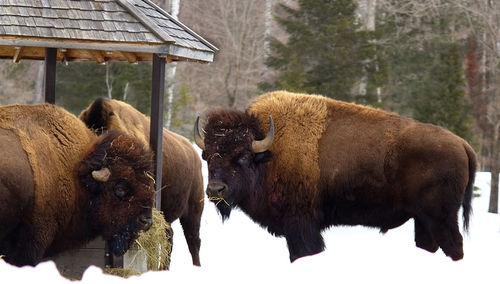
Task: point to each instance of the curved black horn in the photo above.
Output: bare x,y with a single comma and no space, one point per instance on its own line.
259,146
198,138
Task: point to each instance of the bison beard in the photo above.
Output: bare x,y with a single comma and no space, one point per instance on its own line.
334,163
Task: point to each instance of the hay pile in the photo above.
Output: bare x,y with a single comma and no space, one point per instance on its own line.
155,244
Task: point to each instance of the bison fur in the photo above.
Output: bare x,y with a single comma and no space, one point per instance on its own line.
62,186
182,181
334,163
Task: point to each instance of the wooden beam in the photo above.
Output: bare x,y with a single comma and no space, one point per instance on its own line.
131,57
50,75
63,52
181,52
17,54
156,126
98,56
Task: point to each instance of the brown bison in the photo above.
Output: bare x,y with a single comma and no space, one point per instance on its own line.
61,186
324,163
182,181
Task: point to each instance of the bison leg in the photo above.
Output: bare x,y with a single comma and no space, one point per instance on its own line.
191,226
449,238
25,250
424,238
441,231
303,240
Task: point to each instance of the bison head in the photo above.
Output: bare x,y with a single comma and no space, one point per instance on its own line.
97,116
116,177
107,114
236,150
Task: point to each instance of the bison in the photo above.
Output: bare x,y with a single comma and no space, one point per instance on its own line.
182,181
323,163
62,186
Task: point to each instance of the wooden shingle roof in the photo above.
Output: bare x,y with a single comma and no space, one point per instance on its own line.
97,30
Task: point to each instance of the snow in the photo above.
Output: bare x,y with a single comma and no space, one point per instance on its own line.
240,251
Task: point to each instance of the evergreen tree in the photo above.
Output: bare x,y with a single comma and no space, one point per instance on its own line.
325,53
425,64
79,83
442,100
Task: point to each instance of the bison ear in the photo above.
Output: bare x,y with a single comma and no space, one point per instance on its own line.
263,157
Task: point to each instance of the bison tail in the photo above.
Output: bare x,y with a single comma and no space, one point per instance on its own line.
467,202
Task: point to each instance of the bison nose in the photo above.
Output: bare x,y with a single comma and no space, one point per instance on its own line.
146,221
216,189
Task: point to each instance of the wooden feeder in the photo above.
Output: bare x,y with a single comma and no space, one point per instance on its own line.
100,31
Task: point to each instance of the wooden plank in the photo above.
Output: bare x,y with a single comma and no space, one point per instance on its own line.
156,127
73,263
98,56
17,54
50,75
195,55
131,58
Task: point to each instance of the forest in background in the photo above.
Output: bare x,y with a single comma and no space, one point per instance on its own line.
436,61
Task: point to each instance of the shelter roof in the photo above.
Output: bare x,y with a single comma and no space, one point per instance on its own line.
100,30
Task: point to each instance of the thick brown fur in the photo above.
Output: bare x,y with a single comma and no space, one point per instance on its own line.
50,201
182,181
335,163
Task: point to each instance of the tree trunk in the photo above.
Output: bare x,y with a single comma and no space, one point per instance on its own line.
109,84
171,68
268,27
493,208
39,83
495,170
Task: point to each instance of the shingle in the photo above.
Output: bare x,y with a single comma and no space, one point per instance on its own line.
100,20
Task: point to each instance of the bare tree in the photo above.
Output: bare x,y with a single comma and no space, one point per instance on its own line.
237,28
109,81
171,69
484,18
38,96
18,84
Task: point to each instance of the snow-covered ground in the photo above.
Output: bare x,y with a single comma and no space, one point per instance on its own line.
239,251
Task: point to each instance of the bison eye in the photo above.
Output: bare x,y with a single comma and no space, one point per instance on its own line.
244,160
121,189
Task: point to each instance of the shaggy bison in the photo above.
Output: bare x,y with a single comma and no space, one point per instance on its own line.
324,163
61,186
182,182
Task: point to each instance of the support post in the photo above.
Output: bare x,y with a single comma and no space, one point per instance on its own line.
156,126
50,75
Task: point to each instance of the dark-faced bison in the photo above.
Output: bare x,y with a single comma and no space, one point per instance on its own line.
182,182
298,164
61,185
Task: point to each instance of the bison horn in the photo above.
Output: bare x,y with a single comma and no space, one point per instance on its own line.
101,175
198,138
259,146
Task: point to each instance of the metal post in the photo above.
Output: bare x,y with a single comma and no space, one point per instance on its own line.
156,126
50,75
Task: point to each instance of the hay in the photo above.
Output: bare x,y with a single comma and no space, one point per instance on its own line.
218,200
156,244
